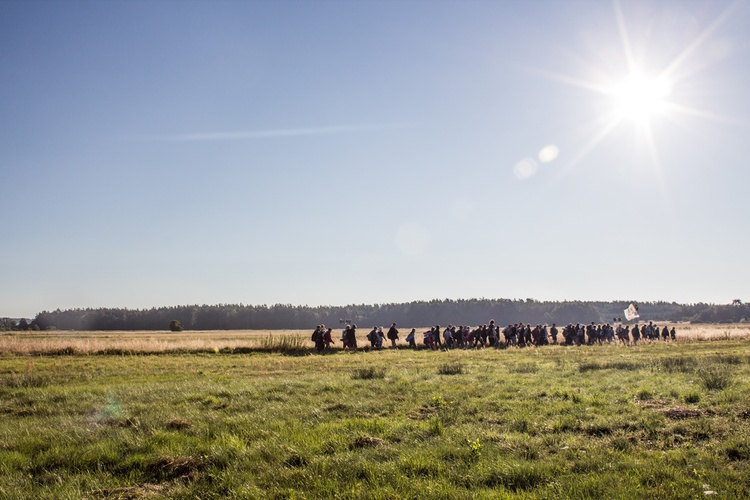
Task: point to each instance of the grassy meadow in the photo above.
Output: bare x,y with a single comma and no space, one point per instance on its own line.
221,414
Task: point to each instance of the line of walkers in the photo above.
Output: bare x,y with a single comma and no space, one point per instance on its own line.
491,335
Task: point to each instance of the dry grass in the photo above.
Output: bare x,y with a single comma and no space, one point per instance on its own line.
113,342
147,342
698,332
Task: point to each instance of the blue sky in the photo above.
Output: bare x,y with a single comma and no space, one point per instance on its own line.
324,152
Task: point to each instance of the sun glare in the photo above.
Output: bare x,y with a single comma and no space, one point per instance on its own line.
640,97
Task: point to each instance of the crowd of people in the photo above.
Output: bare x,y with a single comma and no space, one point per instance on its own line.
492,335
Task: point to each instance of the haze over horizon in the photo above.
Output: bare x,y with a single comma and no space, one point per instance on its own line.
331,153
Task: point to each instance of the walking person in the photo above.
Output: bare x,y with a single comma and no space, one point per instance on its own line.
393,335
328,339
411,338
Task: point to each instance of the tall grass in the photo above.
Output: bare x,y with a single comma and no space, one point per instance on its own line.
154,342
715,376
93,344
282,343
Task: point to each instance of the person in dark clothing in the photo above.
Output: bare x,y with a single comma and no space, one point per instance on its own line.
318,336
636,334
458,336
392,335
492,333
352,337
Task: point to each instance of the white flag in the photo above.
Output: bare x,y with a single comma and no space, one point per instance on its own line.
631,312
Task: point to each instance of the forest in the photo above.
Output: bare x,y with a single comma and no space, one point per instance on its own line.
418,313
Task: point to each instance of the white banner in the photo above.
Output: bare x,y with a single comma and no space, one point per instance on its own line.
631,312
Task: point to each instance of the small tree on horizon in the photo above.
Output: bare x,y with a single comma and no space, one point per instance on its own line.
175,326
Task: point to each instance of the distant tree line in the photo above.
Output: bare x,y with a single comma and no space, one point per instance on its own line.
11,324
421,313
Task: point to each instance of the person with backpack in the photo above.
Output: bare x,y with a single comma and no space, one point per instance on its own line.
372,337
636,334
410,338
392,335
429,338
553,333
318,338
625,335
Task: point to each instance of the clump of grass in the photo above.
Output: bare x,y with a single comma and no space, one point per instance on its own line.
681,364
24,380
729,359
566,423
518,477
590,366
475,449
527,367
288,344
443,412
366,442
181,467
65,351
598,429
435,426
692,398
368,373
520,424
737,450
681,413
620,443
295,460
715,377
441,403
644,395
451,369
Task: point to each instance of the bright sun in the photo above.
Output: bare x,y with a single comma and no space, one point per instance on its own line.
640,97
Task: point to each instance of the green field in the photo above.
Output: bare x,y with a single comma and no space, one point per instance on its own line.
652,421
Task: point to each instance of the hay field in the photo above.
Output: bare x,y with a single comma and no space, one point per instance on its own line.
112,342
102,342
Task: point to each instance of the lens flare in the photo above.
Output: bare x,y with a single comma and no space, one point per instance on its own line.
548,153
525,168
